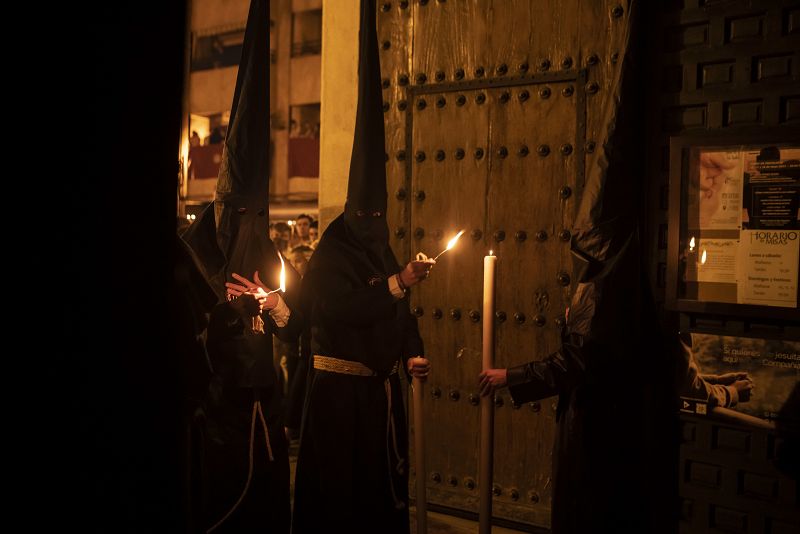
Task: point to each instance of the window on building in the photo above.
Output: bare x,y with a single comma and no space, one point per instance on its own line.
205,144
304,141
215,49
307,33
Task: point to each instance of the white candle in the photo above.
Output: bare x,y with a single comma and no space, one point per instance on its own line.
419,452
487,403
489,265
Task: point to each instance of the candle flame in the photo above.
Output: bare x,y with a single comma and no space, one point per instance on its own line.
491,253
452,242
283,273
703,258
691,244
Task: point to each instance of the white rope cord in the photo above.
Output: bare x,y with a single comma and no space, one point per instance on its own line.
249,471
390,431
266,431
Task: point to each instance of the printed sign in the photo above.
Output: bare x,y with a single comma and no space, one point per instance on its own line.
752,376
740,238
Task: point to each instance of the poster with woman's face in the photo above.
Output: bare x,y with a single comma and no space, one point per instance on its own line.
715,200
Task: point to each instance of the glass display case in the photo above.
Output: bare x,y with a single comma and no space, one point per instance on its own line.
734,226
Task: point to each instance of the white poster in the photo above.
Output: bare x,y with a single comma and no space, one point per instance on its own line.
716,203
716,260
767,267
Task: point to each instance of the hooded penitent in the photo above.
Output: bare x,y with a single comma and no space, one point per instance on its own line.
352,471
365,210
612,375
244,492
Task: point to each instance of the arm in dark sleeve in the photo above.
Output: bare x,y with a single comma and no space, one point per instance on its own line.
556,373
337,299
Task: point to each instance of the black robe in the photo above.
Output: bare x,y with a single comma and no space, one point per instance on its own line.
351,476
616,406
193,299
615,458
244,373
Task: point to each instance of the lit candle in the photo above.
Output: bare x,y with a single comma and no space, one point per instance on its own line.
283,274
450,244
282,277
487,402
258,322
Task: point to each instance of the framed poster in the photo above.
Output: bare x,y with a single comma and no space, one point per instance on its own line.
734,226
756,377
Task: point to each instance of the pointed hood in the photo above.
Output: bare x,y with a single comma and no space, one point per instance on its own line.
241,204
242,198
365,210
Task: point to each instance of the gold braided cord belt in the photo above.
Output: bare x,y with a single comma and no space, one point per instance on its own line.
346,367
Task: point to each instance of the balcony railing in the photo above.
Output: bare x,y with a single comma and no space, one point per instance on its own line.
307,48
204,161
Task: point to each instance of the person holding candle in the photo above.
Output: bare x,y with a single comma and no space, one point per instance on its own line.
600,412
352,469
245,483
615,456
244,409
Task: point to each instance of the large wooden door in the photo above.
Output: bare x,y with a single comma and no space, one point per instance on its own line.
490,123
500,167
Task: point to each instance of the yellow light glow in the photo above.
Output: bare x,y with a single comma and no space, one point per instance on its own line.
691,244
452,242
283,273
201,125
491,253
703,258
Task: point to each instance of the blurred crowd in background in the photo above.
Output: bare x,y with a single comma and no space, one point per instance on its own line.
296,240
